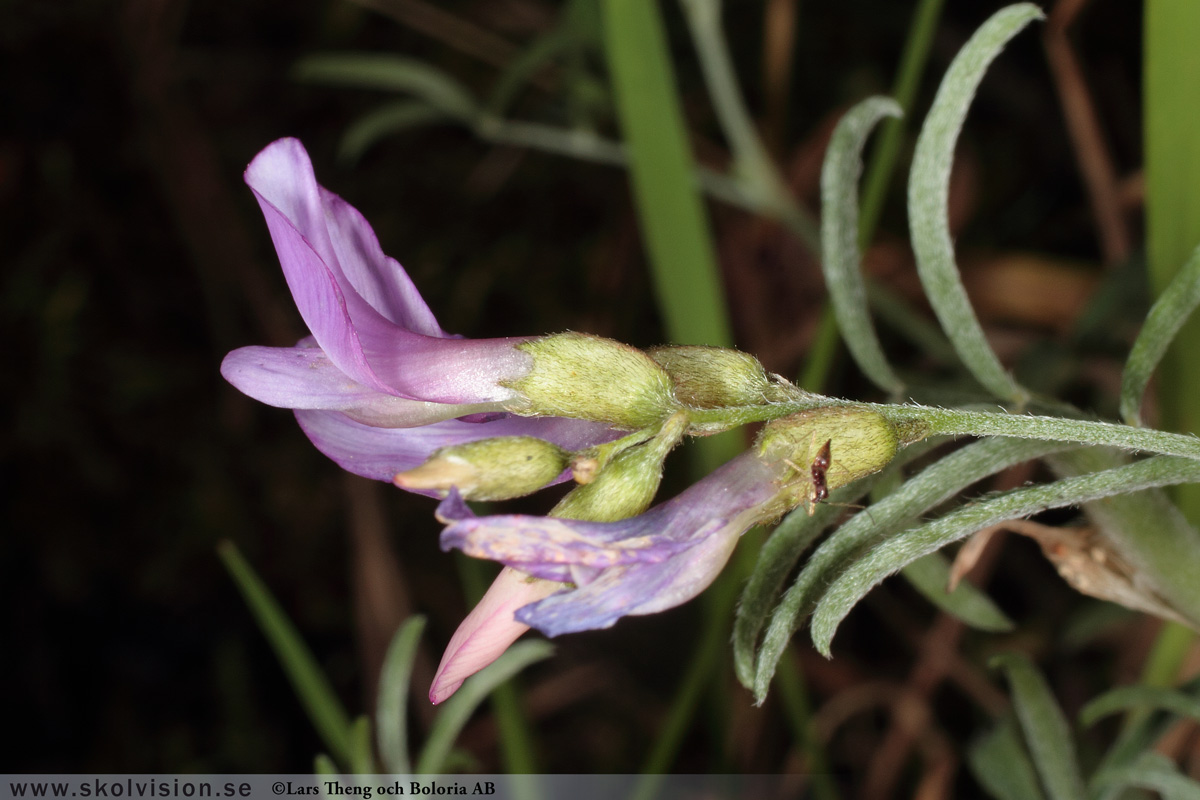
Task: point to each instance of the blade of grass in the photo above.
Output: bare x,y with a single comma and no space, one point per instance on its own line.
458,709
323,765
695,679
822,352
1124,698
390,73
316,695
391,118
1171,71
1047,734
929,575
929,193
1002,765
882,162
677,240
1152,771
798,710
1172,166
1172,309
681,254
362,759
753,166
391,711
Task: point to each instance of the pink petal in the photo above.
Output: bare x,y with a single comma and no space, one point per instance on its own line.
487,631
282,179
304,377
380,279
359,304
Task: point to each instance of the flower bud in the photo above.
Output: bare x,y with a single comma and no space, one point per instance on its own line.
716,377
626,485
588,377
860,441
489,469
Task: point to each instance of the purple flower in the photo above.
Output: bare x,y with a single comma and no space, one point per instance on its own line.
641,565
379,385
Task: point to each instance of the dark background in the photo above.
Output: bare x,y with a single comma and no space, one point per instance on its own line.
134,258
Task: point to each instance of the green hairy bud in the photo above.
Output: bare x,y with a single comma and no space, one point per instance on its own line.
626,485
589,377
489,469
717,377
828,447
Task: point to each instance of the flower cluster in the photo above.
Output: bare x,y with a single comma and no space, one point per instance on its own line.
381,389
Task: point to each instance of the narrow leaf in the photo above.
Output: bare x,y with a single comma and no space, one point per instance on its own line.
1166,317
362,759
458,709
894,554
1125,698
752,163
1139,733
1047,734
516,73
1152,771
934,485
316,695
1001,764
929,193
672,216
391,709
776,559
323,765
840,256
929,575
384,121
391,74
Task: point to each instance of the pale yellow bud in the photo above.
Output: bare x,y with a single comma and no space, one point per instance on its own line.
489,469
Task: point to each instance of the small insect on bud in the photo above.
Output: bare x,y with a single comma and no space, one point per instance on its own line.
489,469
718,377
589,377
818,472
829,447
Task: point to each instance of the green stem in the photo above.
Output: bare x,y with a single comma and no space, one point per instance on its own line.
752,164
821,354
699,673
790,680
923,421
882,164
1054,429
